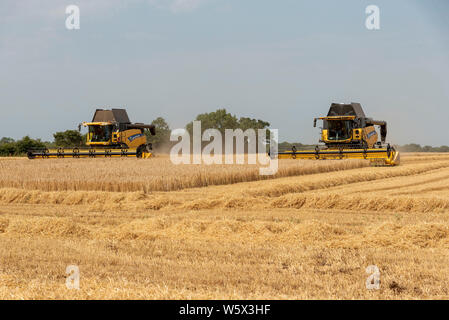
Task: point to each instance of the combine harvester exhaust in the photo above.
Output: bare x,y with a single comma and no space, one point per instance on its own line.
348,134
110,134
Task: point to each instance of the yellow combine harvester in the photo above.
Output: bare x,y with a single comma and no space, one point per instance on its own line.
110,134
348,134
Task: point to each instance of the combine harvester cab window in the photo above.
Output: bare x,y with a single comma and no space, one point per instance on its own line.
100,133
339,129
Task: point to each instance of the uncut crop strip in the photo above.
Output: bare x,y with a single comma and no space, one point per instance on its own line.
311,191
159,174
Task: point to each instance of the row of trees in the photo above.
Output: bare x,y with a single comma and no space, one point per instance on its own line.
10,147
284,146
413,147
219,119
222,120
68,138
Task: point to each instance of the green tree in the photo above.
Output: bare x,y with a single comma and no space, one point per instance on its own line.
162,135
222,120
7,149
26,143
68,138
219,120
248,123
5,140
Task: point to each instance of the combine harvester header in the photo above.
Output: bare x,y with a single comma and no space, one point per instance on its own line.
348,134
110,134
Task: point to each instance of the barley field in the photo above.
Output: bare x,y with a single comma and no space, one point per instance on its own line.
147,229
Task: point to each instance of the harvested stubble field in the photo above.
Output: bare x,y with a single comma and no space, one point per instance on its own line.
148,229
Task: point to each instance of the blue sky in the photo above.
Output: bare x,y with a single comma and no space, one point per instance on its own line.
282,61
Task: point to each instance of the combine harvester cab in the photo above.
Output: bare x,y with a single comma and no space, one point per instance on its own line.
348,134
110,134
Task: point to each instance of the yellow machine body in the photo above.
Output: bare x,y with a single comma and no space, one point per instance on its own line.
348,134
103,134
89,153
378,156
110,134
